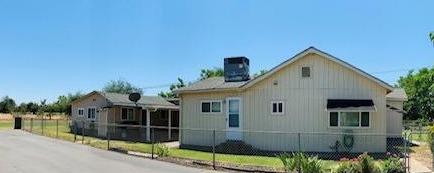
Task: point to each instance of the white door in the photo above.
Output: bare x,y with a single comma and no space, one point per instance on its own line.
233,118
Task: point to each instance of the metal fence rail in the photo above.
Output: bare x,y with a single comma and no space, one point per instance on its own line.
216,145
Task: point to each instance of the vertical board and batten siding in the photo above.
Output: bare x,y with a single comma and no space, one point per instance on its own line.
305,102
394,119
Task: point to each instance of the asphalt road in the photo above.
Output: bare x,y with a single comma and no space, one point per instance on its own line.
24,152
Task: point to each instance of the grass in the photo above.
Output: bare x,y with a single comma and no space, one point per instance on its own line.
6,124
64,134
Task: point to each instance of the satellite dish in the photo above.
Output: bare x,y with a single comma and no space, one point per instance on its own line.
134,97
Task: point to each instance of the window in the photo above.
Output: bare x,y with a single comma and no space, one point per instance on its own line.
349,119
80,112
211,106
127,114
305,71
91,113
277,107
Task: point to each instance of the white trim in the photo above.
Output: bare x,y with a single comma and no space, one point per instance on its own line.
134,114
234,132
210,106
349,127
87,112
277,102
78,112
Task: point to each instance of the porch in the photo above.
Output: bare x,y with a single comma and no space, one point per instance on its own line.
139,124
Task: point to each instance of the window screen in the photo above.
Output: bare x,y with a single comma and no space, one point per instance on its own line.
305,71
206,107
365,119
334,119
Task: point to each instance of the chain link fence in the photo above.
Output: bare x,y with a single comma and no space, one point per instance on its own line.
223,148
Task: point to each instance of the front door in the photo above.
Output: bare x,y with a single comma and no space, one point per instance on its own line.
233,118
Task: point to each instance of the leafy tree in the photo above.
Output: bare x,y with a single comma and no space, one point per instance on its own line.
121,87
260,73
431,36
170,94
419,87
32,107
22,108
7,105
215,72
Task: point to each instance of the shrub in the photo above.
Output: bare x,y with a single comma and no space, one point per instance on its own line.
393,165
367,164
349,166
301,163
162,150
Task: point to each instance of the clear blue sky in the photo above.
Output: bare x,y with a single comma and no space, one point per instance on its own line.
51,47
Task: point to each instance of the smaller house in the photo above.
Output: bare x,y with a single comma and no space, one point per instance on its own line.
110,113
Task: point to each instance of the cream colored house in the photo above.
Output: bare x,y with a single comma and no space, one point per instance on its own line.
102,111
305,103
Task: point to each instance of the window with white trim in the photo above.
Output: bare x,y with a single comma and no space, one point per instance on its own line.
277,107
127,114
211,106
349,119
91,113
80,112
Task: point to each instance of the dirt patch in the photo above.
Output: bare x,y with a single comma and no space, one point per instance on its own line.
422,153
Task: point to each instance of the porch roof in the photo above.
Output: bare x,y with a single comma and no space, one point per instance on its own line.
153,102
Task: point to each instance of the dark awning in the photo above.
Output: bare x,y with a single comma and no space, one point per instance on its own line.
350,105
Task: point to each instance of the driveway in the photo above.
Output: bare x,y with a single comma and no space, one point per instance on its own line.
24,152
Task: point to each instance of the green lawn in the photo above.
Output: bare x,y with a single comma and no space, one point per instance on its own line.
6,124
63,133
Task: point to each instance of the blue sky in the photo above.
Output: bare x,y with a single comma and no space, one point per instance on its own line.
50,47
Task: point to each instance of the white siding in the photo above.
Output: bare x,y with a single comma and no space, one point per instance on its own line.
305,108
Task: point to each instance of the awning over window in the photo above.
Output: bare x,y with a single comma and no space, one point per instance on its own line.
350,105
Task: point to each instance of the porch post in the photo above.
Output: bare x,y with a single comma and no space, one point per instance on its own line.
148,124
170,124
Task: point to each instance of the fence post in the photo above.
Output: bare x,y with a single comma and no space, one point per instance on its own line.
31,125
299,141
152,142
42,126
75,131
406,159
57,128
213,149
82,132
108,137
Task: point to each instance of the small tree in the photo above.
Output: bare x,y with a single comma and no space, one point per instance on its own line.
121,87
170,93
431,36
215,72
7,105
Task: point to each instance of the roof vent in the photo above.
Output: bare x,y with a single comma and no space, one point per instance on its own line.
236,69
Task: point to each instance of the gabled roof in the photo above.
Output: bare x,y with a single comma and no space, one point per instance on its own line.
115,99
218,83
398,94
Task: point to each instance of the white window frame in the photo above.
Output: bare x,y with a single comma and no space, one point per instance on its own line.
87,113
349,127
127,119
78,112
210,106
277,102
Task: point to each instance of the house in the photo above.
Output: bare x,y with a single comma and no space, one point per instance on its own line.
111,111
305,103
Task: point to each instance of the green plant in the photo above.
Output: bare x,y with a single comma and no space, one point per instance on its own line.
393,165
349,166
162,150
367,164
301,163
